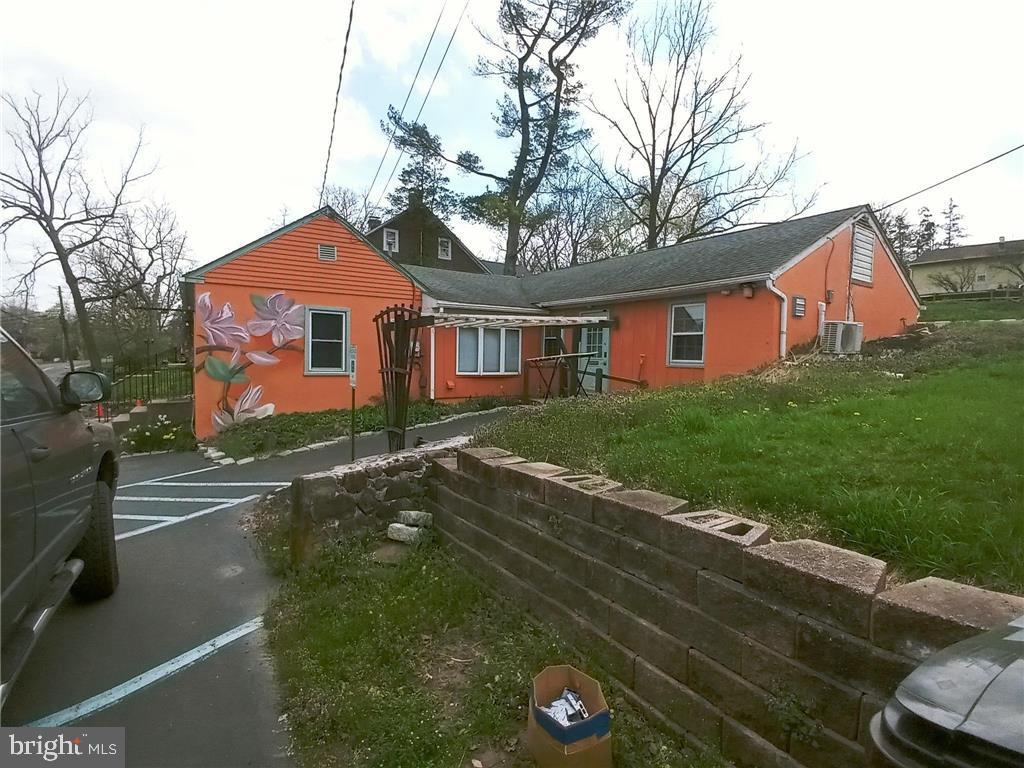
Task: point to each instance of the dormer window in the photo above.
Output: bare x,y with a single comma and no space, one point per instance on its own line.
444,249
327,252
391,241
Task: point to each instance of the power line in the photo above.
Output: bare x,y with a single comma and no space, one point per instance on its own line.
954,176
412,85
427,96
337,95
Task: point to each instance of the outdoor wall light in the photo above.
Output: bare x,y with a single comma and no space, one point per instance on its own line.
748,291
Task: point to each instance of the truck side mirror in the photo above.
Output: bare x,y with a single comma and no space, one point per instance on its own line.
81,387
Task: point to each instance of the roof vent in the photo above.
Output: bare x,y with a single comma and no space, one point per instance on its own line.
1002,240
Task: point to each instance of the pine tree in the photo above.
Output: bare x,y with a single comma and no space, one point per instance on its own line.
952,225
924,234
423,181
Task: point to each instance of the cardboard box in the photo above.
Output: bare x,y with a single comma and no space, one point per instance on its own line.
586,744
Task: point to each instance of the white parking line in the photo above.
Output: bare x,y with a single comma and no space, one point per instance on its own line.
145,517
192,499
183,518
168,668
256,483
170,477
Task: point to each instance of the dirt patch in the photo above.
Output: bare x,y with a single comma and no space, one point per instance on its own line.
445,666
511,756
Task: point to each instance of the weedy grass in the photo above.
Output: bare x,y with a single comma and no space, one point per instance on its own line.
292,430
414,665
973,309
914,454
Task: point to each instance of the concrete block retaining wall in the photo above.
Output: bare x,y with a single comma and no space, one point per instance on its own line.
775,653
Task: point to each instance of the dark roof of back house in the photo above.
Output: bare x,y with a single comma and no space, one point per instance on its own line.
751,253
1003,250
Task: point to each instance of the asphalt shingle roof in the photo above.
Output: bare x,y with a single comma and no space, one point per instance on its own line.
733,255
1005,250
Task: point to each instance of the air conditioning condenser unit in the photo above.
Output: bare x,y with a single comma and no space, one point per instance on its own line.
842,338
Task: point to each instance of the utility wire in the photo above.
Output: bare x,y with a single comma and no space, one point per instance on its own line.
337,95
954,176
427,96
391,134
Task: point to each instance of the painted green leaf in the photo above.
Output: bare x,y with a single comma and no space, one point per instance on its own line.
239,378
217,369
259,302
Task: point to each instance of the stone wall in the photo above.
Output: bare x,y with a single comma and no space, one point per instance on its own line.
775,653
368,493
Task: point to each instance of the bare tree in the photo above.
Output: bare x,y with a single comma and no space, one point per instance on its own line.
682,173
1013,267
133,276
48,186
534,60
957,280
571,219
354,207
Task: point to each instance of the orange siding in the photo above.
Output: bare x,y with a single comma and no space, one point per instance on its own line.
886,306
450,385
359,281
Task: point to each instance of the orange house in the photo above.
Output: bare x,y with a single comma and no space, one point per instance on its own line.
274,319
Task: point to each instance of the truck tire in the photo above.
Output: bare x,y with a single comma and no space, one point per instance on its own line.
96,549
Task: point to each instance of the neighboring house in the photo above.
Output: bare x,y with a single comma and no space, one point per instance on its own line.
274,318
968,268
417,236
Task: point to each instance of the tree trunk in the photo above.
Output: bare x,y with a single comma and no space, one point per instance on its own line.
81,312
512,244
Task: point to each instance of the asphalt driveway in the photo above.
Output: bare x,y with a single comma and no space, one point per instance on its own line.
178,654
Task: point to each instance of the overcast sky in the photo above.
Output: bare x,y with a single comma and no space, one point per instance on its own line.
882,97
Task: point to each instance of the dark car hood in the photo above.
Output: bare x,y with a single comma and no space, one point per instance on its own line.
975,687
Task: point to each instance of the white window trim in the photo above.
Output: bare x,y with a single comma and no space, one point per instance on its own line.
672,333
440,250
307,353
384,241
480,353
319,252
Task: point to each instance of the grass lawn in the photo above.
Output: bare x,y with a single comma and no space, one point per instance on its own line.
966,309
925,471
414,665
283,431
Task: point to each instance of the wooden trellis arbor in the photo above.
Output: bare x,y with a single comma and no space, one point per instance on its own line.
397,334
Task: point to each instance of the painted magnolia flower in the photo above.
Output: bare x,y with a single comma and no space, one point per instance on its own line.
281,317
219,327
246,407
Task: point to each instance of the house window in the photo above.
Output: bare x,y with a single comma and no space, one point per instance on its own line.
799,306
444,249
327,252
980,278
863,253
326,340
391,240
488,351
553,343
686,334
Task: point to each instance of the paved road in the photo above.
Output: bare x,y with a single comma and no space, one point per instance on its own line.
188,576
57,370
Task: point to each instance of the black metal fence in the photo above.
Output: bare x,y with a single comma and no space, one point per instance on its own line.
139,381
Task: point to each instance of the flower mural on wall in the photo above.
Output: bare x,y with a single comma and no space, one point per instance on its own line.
276,315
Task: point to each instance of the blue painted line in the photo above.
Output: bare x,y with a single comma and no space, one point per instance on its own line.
137,683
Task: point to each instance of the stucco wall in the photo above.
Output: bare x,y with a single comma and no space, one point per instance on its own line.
994,276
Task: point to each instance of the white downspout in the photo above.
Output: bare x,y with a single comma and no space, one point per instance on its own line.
784,316
432,346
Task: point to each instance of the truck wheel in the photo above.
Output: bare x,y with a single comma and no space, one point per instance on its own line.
96,549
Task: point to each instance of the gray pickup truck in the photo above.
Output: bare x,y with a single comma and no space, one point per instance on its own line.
58,480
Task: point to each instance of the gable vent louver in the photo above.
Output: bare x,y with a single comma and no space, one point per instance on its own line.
327,252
